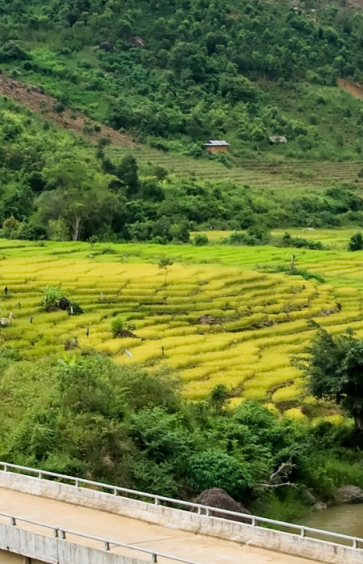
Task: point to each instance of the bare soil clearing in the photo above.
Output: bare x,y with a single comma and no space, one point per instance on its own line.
43,104
354,88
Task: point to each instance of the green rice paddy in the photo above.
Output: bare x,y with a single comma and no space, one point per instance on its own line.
260,319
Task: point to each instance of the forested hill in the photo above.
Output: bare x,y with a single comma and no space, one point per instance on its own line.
177,72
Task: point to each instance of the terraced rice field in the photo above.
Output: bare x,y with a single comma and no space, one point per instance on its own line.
261,319
256,174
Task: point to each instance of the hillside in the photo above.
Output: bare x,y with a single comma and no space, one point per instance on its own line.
57,185
175,73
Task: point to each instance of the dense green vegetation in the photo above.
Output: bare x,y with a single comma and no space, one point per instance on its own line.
334,371
86,416
57,186
189,70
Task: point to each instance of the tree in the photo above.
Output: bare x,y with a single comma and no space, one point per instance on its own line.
127,171
164,263
218,398
11,225
76,194
216,469
334,371
356,242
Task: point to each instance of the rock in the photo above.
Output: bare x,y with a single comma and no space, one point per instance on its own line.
207,320
349,494
37,89
320,506
106,46
136,40
308,496
216,497
63,303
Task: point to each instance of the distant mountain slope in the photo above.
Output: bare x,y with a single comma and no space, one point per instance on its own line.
188,70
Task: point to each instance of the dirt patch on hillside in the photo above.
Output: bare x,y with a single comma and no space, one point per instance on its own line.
355,3
353,88
40,102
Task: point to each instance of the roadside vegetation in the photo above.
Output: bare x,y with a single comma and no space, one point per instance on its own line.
86,416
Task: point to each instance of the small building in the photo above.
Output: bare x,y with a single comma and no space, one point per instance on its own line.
277,139
216,146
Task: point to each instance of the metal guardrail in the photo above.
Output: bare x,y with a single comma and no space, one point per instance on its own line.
254,520
60,533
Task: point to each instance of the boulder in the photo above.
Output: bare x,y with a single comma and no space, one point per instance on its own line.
207,320
306,495
320,506
63,303
216,497
349,494
106,46
37,89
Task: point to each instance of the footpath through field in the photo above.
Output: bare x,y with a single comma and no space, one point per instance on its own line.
203,549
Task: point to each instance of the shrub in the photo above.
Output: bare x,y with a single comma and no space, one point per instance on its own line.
216,469
300,243
117,327
201,240
356,242
235,239
257,234
51,296
58,107
108,251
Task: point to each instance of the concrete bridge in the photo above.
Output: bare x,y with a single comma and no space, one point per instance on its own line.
74,521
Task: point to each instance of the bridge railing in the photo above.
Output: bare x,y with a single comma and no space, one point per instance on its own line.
106,544
253,520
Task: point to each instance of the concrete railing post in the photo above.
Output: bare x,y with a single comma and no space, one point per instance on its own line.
253,522
40,475
62,534
13,521
156,501
107,545
302,532
355,543
154,558
5,467
55,533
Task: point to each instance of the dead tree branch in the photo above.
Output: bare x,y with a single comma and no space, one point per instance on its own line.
282,473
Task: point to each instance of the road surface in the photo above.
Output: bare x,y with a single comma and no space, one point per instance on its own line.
199,548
